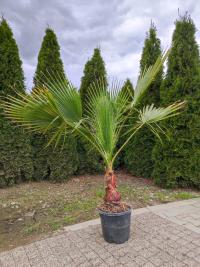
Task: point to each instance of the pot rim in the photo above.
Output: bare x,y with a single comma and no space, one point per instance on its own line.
114,213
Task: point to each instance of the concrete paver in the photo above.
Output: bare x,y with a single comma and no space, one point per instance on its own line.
186,213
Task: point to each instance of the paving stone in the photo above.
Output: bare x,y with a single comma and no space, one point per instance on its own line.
197,258
156,261
174,264
7,260
124,260
148,264
190,262
112,261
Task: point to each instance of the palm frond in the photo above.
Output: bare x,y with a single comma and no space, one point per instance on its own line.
147,77
58,107
105,110
150,114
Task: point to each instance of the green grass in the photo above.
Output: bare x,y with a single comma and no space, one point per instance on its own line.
69,220
81,205
184,195
54,225
31,228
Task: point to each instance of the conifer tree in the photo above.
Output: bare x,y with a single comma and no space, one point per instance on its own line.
89,161
128,87
178,162
94,70
49,52
50,163
138,155
15,149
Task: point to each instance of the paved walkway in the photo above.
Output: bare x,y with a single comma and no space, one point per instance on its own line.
164,235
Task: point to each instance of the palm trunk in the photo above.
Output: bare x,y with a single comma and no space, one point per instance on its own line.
112,195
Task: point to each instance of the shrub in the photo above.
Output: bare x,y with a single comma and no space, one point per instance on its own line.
51,163
15,149
89,160
138,155
177,162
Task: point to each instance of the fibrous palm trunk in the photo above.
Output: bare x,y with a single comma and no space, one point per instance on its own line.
112,195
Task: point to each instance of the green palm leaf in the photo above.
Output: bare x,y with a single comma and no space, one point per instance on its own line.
105,114
147,77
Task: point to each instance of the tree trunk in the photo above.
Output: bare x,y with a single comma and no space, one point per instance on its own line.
112,195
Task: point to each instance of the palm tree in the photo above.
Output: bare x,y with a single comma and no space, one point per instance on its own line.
56,107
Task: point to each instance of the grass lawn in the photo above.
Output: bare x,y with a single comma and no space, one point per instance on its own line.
29,211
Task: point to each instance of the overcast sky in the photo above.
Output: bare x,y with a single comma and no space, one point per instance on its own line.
117,26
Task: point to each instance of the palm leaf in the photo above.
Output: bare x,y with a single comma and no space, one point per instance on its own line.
147,77
105,110
46,109
150,116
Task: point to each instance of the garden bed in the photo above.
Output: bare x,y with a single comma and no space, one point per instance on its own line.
29,211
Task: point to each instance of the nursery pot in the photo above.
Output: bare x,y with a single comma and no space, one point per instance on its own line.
115,226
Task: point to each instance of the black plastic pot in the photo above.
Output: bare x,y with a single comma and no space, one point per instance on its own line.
115,226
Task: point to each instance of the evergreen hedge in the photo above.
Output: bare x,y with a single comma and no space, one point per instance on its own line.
60,162
137,157
15,150
50,64
178,162
63,160
89,161
128,89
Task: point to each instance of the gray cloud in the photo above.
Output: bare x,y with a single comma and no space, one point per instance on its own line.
117,26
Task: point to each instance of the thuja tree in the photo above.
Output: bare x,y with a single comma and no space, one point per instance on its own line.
60,107
49,59
127,89
49,163
89,160
138,155
94,70
177,162
15,149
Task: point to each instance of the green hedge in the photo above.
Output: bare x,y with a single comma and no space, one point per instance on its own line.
137,155
15,154
177,161
89,160
53,163
15,150
63,161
